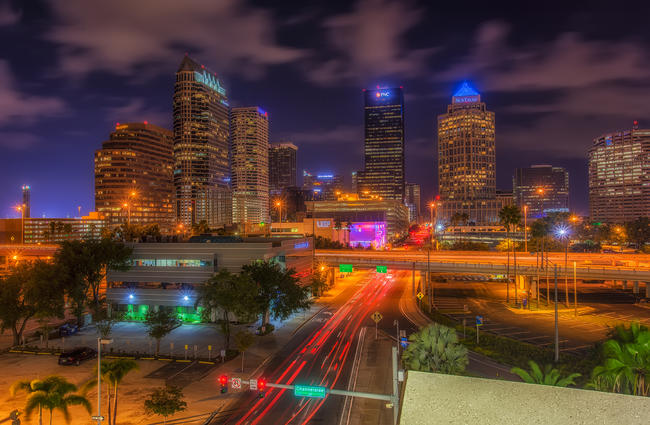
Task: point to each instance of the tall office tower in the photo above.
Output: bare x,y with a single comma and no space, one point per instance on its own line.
412,201
619,176
467,160
282,166
383,174
542,189
249,144
355,182
201,135
133,176
27,199
326,186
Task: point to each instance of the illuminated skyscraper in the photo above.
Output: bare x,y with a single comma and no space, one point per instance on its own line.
412,201
619,176
467,159
201,134
249,136
384,144
542,189
133,176
282,166
325,186
27,200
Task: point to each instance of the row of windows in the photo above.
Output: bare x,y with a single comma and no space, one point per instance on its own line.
158,262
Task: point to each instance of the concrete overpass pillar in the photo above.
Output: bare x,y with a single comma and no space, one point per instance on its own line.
636,287
647,289
625,285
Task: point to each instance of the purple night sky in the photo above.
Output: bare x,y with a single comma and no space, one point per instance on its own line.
556,78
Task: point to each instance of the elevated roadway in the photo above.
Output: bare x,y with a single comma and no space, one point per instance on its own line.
588,266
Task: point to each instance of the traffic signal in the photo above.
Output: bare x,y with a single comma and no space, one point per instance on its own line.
261,387
223,381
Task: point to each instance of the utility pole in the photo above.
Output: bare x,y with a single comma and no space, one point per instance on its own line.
575,291
566,270
557,335
395,388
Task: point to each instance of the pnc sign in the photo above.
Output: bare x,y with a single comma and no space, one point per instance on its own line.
382,93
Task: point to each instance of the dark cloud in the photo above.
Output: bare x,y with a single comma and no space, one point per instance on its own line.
8,16
122,36
136,110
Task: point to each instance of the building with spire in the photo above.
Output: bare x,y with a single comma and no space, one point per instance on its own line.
27,201
249,136
383,173
467,159
201,139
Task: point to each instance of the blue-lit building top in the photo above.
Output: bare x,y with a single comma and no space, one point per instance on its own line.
383,173
324,185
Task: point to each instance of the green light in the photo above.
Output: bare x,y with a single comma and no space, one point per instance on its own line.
345,268
308,391
382,269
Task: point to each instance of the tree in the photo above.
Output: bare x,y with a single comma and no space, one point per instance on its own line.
548,376
84,264
51,393
318,283
30,290
510,217
228,293
165,402
113,373
638,231
279,292
338,225
104,323
132,231
243,341
435,348
626,365
160,323
200,228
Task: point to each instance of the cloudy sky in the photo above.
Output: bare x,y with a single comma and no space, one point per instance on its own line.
556,77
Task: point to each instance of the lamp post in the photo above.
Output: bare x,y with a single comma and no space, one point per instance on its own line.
563,233
279,205
100,342
21,208
525,228
557,332
128,212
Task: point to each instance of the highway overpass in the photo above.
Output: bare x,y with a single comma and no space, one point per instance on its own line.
588,266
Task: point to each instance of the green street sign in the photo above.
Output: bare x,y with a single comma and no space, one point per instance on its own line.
382,269
345,268
308,391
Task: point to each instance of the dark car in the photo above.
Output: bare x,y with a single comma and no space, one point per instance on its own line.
76,356
68,329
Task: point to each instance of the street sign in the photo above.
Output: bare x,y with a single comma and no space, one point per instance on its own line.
479,320
382,269
403,342
420,295
309,391
345,268
236,383
252,384
376,316
97,418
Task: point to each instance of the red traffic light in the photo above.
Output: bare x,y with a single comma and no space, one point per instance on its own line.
223,380
261,384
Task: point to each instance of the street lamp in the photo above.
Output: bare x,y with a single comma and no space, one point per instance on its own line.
128,211
525,228
562,233
21,209
100,341
279,205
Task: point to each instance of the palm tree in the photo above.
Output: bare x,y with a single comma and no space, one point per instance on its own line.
112,373
435,348
510,217
548,376
51,393
626,368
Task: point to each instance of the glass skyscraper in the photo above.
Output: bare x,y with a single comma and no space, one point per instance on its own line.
542,189
249,134
383,174
282,166
201,137
619,176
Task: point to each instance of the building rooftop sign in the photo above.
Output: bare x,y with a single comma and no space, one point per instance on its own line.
466,94
210,81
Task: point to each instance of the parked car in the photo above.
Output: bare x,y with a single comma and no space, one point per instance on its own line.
76,356
68,329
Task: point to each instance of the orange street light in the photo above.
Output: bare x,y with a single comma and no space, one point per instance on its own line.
574,218
540,190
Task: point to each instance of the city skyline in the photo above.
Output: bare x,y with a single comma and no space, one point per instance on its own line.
67,108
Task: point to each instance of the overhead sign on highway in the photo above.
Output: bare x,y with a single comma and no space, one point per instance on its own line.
345,268
309,391
382,269
376,316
